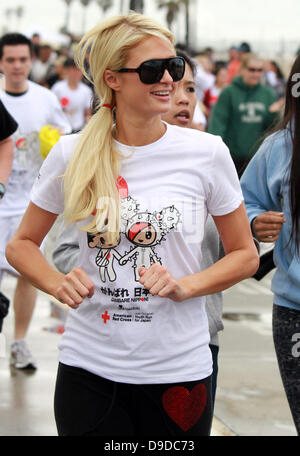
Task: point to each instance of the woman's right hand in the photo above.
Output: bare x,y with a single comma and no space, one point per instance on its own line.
74,288
266,227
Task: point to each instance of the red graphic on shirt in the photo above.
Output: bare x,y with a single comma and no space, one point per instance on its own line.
185,407
21,143
145,230
105,317
64,101
122,189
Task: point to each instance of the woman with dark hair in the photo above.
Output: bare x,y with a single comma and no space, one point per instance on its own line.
271,187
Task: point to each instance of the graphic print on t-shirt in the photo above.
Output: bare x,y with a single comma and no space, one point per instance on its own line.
27,152
107,252
143,230
106,255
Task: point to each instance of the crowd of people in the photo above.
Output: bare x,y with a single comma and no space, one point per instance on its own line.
51,63
128,106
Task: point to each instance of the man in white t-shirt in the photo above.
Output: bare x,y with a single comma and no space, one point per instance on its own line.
74,96
33,107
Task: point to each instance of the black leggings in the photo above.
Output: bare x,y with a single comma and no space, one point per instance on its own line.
286,335
86,404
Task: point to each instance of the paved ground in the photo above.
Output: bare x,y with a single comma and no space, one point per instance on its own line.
250,399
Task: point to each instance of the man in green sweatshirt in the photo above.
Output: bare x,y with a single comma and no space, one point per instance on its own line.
244,112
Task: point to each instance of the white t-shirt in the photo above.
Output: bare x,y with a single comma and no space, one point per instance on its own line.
123,333
40,69
203,81
199,116
74,102
33,110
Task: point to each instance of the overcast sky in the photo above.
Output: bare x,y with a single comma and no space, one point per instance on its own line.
274,22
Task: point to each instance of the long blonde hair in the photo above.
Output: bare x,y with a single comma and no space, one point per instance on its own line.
91,175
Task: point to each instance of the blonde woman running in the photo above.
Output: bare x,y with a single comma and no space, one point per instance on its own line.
134,358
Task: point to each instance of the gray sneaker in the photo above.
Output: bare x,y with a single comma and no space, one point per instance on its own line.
20,356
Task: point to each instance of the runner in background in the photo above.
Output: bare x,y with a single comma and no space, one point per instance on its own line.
211,95
244,112
43,65
33,107
274,78
74,96
234,63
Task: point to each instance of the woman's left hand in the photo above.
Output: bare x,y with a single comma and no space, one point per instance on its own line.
159,281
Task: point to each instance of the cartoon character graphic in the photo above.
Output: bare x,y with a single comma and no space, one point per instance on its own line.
107,252
27,152
106,255
145,230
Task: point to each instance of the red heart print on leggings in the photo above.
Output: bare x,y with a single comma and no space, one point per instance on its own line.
185,407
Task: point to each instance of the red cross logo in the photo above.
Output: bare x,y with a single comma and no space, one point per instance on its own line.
105,317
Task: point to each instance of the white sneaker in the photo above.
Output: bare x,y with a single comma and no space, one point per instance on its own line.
20,356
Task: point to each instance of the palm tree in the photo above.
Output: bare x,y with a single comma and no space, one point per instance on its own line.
85,4
137,5
8,14
19,14
172,9
105,4
67,17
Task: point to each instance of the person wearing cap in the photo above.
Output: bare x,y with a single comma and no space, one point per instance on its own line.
42,66
245,48
58,72
236,54
234,64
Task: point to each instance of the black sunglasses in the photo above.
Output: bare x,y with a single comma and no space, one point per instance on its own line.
151,71
255,70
